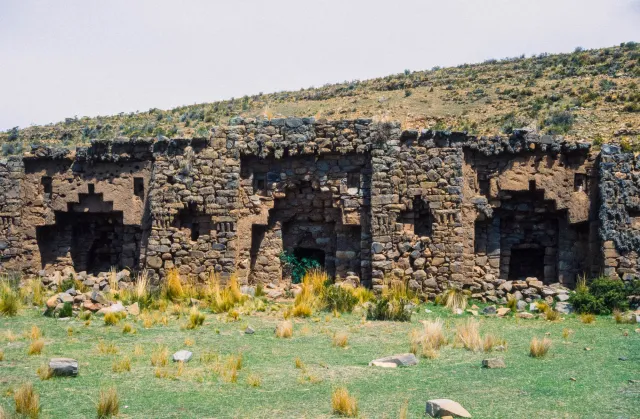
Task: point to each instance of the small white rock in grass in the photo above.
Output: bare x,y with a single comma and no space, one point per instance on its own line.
249,330
182,356
393,361
438,408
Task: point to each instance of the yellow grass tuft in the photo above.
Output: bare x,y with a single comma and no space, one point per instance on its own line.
455,299
299,364
109,403
228,370
160,356
284,329
363,295
34,333
427,342
111,319
113,279
254,380
188,342
128,328
223,299
566,333
196,318
173,286
27,401
490,341
141,286
340,339
138,350
622,318
1,355
35,348
343,403
587,318
121,365
10,336
468,335
404,410
107,348
551,315
539,348
44,371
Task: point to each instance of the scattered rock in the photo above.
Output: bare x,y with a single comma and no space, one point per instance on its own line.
526,315
64,367
400,360
489,310
133,309
493,363
249,330
182,356
503,311
438,408
623,358
564,308
113,308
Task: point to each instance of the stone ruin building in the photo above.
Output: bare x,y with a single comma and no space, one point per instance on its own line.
368,201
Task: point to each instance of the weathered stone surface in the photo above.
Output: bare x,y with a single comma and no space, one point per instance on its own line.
64,367
439,408
400,360
493,363
182,356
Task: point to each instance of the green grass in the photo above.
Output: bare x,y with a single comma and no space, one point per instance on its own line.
528,387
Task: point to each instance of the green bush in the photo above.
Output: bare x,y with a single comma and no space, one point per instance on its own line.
9,302
67,310
601,296
339,299
297,267
385,309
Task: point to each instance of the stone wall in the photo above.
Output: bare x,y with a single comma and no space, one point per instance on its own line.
370,202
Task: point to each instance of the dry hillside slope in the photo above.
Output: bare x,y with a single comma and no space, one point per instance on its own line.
585,95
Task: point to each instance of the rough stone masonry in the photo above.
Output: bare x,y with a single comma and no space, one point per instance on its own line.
368,201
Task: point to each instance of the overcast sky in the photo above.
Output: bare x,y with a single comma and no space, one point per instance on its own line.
80,57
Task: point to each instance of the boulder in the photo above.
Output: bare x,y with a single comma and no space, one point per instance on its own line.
133,309
526,315
489,310
113,308
182,356
521,305
249,330
399,360
493,363
564,308
438,408
64,367
503,311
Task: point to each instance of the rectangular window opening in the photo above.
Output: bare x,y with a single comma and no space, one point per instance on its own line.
47,184
138,187
92,188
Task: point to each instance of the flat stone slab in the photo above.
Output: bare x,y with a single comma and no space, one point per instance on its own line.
438,408
182,356
393,361
64,367
493,363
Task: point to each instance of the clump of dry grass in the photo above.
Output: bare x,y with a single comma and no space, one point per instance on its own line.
121,365
196,318
539,347
310,296
34,333
107,348
113,279
284,329
138,350
188,342
160,356
1,355
566,333
489,342
587,318
551,315
468,335
172,289
127,328
10,336
404,410
427,342
223,299
228,370
299,364
340,339
254,380
622,318
141,291
111,319
343,403
44,371
109,403
35,348
27,401
455,299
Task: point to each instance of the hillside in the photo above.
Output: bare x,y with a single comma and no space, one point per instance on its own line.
585,95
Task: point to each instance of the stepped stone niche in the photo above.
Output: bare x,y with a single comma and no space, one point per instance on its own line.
367,201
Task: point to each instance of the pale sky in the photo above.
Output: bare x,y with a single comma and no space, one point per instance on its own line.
85,58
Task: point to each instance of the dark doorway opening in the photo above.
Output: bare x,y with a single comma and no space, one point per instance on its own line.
525,263
310,254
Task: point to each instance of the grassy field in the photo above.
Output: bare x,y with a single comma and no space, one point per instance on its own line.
581,376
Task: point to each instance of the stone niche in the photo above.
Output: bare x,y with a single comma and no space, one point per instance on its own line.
311,207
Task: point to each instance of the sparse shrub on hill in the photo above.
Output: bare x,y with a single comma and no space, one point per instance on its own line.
602,296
